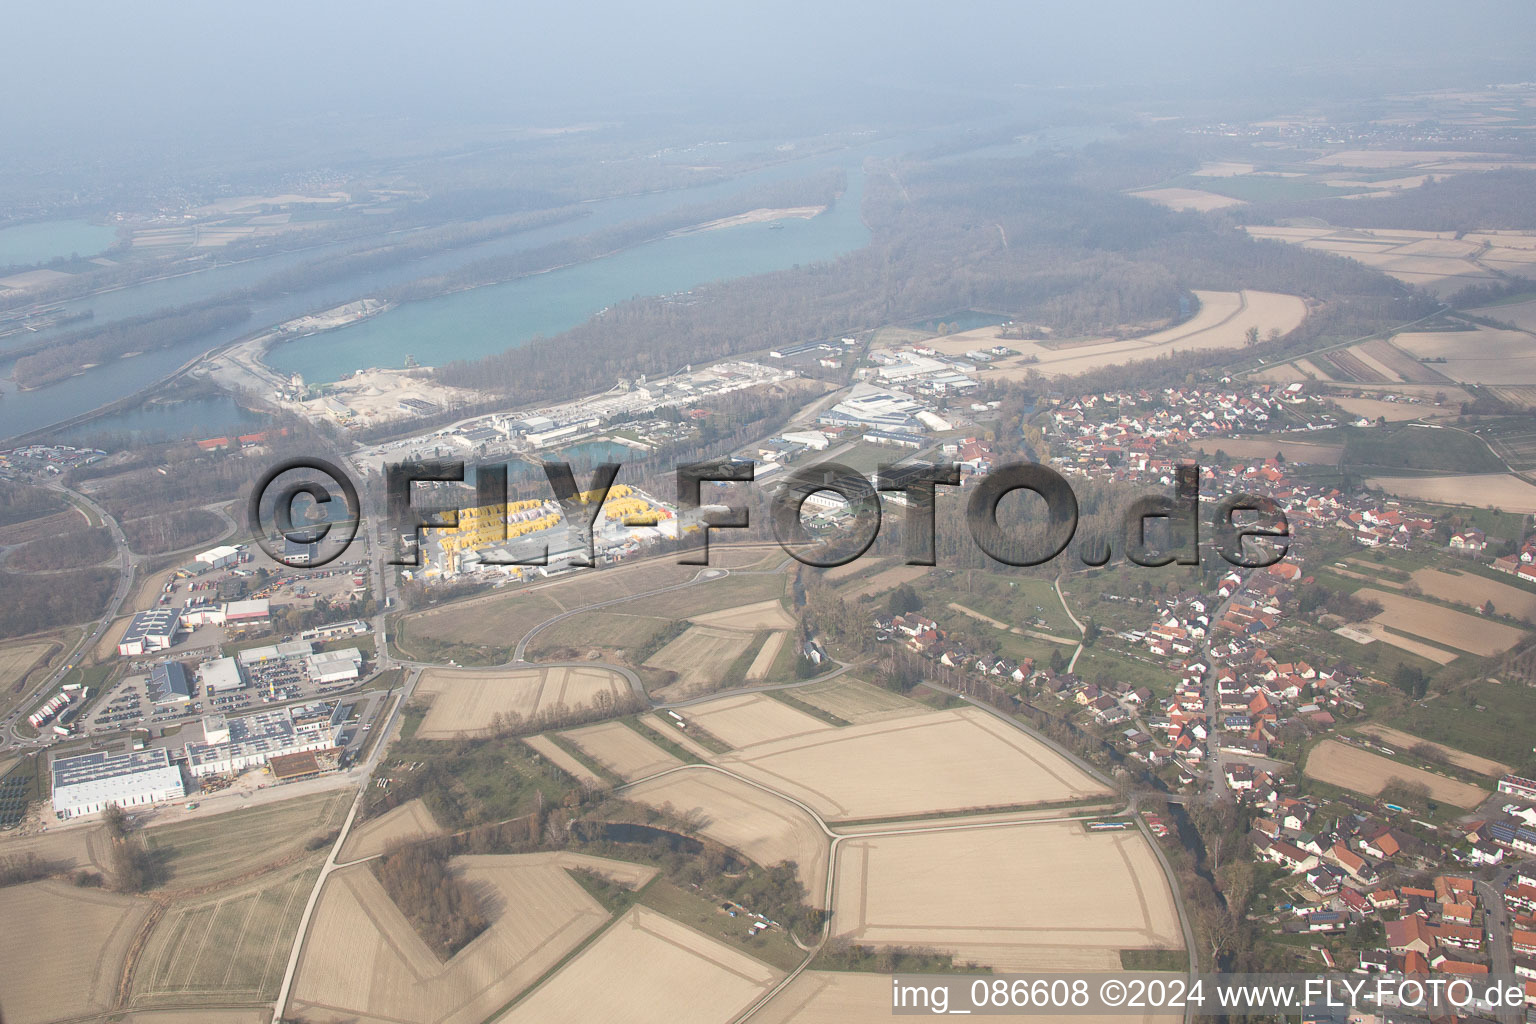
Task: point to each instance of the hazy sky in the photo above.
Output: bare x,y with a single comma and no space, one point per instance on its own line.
80,67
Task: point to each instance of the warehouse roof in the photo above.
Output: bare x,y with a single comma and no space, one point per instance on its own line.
168,683
106,775
154,622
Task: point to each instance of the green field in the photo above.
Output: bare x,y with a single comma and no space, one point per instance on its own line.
1418,449
772,946
1016,600
1103,662
1454,719
710,596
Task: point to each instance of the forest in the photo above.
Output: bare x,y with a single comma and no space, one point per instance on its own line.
66,356
440,905
21,502
33,603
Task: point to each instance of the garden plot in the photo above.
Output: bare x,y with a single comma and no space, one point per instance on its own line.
1364,772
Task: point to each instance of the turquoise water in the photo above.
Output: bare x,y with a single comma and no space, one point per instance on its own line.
471,324
26,244
168,421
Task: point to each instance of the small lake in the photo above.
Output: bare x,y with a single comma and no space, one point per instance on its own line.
26,244
483,321
194,418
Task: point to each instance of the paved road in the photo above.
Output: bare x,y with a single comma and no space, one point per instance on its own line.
1497,921
366,774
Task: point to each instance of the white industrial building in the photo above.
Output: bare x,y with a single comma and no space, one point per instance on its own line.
272,652
870,406
247,611
334,666
87,783
220,556
202,613
152,630
221,675
232,745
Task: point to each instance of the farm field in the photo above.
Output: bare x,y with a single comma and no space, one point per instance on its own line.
885,579
201,1015
498,622
1373,632
1482,356
362,961
846,997
1393,412
757,824
668,727
1470,633
762,664
1521,314
745,719
1479,490
648,969
750,617
1266,447
699,658
68,848
724,592
1401,741
1221,323
501,619
909,766
621,750
66,962
1187,199
411,820
1436,261
212,849
858,702
1048,896
551,750
16,660
1364,772
230,946
1473,590
601,629
467,702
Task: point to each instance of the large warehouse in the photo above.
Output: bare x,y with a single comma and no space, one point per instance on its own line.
232,745
219,557
334,666
221,675
154,630
87,783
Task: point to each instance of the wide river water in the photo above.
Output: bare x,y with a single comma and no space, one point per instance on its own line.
465,324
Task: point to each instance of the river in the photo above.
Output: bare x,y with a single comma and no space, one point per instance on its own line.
466,324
